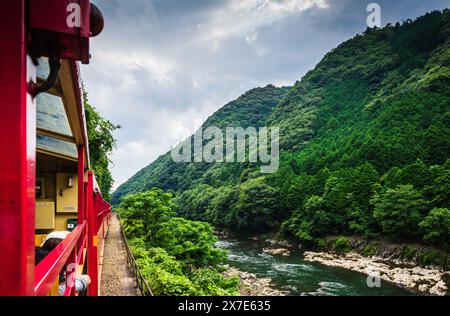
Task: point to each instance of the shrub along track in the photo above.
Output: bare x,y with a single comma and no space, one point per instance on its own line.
117,278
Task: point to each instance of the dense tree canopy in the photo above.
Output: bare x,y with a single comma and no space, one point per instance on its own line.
399,211
436,227
176,255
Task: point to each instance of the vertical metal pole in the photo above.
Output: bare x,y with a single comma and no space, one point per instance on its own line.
85,200
18,157
92,238
81,189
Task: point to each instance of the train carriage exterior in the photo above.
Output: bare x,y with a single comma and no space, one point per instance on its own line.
46,183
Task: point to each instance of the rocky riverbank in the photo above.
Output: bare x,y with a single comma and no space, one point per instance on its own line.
277,251
430,281
251,285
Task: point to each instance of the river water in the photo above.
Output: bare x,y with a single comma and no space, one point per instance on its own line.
298,277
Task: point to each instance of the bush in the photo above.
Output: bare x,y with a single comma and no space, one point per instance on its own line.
211,283
431,257
436,227
409,252
369,250
191,242
341,245
321,243
164,283
399,211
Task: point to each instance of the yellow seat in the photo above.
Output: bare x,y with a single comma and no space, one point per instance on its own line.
38,240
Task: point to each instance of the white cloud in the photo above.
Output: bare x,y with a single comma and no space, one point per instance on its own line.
161,70
244,18
278,6
288,6
251,36
162,130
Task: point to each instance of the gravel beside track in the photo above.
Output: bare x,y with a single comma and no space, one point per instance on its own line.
117,277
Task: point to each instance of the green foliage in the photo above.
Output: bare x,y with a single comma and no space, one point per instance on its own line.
341,245
164,283
212,283
399,211
409,252
436,227
321,243
425,256
144,213
190,242
369,250
257,208
101,144
153,258
176,256
251,206
432,257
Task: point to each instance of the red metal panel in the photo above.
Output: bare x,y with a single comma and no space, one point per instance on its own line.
53,19
52,15
92,238
81,111
17,160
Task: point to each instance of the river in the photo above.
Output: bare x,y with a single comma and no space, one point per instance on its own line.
298,277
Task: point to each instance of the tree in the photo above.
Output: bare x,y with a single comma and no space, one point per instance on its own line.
194,203
311,221
221,211
440,187
436,227
417,174
164,283
399,211
257,208
189,241
143,213
212,283
322,221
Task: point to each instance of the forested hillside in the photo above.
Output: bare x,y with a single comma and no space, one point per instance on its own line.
250,109
365,141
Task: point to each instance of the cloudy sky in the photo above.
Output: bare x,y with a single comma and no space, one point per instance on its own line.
161,67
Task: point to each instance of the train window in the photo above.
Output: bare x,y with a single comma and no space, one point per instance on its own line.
56,146
51,114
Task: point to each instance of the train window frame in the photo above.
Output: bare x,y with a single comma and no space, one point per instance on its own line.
56,119
55,151
63,89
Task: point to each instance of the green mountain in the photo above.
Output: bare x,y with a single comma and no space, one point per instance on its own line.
365,141
250,109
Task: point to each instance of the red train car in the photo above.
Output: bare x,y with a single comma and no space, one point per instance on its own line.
45,181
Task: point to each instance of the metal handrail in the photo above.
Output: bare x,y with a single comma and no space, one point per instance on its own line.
141,282
49,268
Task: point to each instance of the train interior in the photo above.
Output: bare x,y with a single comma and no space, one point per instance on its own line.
57,156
